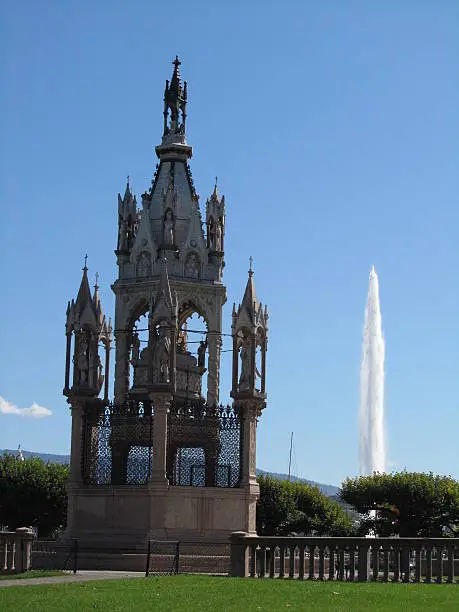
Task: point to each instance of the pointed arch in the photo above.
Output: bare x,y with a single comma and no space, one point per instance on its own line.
137,309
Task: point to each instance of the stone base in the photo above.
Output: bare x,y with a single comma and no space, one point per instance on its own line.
129,516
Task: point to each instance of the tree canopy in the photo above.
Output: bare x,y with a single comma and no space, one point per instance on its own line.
32,493
408,504
292,507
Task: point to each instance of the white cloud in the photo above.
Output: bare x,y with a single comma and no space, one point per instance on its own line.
35,411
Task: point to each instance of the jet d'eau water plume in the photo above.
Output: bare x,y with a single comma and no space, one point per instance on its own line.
372,442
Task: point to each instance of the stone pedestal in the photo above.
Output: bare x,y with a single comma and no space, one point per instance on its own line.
129,516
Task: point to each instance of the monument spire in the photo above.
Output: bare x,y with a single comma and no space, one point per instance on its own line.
84,292
250,301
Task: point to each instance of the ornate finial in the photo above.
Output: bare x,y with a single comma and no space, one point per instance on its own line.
96,286
215,191
176,84
251,264
127,192
85,263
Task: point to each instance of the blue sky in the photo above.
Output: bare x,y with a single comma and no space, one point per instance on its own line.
333,129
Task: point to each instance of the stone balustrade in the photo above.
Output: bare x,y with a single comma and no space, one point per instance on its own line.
346,559
15,550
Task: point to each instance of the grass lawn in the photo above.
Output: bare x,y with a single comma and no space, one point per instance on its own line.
34,574
205,593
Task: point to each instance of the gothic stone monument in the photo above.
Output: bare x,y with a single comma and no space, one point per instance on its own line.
161,461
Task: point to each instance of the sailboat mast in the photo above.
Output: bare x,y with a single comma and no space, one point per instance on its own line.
290,456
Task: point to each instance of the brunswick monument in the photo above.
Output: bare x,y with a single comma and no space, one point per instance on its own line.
161,460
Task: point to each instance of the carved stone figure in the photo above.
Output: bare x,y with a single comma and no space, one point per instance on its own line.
144,264
161,358
135,348
100,375
123,235
83,361
211,234
182,339
192,266
218,237
168,237
202,354
245,366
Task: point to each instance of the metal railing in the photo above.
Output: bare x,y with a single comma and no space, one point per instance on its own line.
155,557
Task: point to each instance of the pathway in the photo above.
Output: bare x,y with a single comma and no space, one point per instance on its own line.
80,576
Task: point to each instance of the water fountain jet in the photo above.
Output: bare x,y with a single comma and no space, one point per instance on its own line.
371,416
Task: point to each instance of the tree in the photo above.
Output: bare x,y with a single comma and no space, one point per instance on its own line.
408,504
285,507
32,493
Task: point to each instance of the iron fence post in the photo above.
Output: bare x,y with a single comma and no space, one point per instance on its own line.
75,556
147,569
177,557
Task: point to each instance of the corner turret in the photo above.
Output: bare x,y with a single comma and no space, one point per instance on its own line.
250,343
88,327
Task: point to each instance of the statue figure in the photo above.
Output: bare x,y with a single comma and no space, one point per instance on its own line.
135,355
182,339
202,354
123,236
245,365
211,234
218,237
144,264
161,357
192,266
100,376
169,228
83,361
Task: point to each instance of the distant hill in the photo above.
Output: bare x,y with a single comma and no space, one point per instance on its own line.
329,490
45,456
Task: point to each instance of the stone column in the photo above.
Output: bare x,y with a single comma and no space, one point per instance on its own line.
213,368
121,366
235,380
67,362
76,448
107,371
263,365
75,480
161,404
249,414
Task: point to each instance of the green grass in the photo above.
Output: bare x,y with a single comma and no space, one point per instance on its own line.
206,593
34,574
